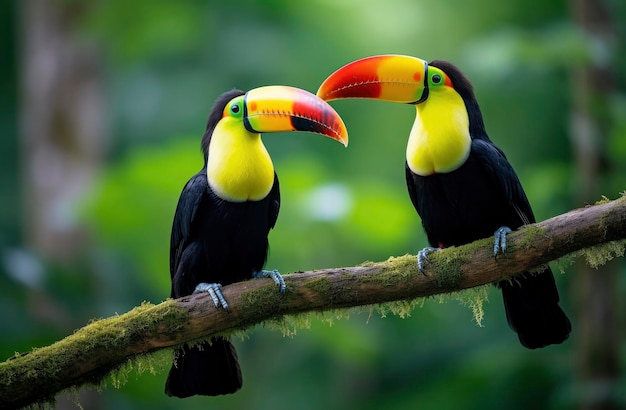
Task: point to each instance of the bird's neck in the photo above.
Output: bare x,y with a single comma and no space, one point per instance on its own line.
239,168
440,141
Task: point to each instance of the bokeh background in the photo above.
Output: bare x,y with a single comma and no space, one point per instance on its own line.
103,104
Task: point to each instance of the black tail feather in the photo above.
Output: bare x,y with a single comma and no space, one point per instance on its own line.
205,369
532,309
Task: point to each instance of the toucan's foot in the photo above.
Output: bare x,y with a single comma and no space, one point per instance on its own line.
422,257
215,290
499,240
274,275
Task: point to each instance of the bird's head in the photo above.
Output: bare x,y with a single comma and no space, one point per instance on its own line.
239,168
403,79
273,109
448,116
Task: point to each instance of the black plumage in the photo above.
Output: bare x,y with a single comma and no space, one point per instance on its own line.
214,241
472,202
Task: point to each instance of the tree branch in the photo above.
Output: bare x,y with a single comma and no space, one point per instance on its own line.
94,350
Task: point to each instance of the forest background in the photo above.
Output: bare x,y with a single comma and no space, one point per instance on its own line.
102,106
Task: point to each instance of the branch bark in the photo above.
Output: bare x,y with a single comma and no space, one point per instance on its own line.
94,350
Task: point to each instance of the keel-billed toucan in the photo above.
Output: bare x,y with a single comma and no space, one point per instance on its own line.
225,212
460,183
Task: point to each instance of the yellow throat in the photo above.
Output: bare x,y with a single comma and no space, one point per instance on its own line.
239,168
439,141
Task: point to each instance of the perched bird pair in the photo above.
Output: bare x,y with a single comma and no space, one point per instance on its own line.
460,183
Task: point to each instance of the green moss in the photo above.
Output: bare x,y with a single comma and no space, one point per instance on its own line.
564,262
530,236
268,302
104,339
289,325
603,200
265,298
473,298
331,316
320,285
448,270
600,254
400,308
448,264
154,363
146,319
394,271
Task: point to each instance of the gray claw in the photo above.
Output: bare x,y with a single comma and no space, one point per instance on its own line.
274,275
499,240
422,257
215,291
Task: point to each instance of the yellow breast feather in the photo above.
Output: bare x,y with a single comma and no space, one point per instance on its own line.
439,141
239,168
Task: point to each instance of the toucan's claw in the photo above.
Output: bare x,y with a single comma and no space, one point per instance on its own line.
499,240
275,276
215,291
422,257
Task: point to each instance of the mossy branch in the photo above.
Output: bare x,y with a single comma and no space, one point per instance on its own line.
94,350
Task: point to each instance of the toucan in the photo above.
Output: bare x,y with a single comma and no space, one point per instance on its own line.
460,183
225,212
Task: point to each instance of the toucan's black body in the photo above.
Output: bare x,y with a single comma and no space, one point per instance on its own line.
460,183
215,241
472,202
225,212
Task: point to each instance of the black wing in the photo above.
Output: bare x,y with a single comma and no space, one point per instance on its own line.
193,195
504,177
472,201
274,208
531,301
411,184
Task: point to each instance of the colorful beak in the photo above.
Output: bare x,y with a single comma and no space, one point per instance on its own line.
280,108
394,78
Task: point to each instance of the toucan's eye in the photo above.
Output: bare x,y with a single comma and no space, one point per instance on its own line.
437,78
235,109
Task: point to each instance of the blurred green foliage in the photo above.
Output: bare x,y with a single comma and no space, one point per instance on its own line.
167,61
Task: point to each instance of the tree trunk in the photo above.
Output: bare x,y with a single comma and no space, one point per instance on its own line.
61,123
598,356
62,132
